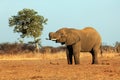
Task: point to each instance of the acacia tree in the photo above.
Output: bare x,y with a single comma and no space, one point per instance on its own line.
28,23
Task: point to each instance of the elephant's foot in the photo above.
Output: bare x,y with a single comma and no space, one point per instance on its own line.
70,63
95,62
77,63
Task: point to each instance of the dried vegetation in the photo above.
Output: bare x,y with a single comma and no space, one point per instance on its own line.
18,62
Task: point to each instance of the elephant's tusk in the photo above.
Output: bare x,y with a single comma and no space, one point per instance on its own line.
53,39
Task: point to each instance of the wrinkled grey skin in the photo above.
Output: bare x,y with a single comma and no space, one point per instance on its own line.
76,41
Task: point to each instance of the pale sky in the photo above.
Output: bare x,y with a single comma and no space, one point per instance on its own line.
103,15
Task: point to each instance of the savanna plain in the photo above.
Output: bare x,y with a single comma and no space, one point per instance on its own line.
54,67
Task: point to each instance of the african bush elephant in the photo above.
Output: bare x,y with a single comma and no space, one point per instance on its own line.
85,40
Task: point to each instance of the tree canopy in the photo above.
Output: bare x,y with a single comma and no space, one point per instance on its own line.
28,23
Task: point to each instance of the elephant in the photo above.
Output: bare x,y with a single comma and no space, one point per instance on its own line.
78,40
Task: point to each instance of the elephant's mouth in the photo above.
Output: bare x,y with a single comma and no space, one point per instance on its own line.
62,43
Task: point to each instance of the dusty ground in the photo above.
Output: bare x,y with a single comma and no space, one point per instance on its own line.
57,69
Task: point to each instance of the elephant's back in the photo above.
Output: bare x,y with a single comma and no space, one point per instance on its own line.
90,32
89,29
90,38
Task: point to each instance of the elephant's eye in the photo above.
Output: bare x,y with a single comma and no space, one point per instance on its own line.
61,34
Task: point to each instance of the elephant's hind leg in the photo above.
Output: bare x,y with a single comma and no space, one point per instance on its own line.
94,53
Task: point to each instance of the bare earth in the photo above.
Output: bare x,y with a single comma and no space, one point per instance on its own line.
58,69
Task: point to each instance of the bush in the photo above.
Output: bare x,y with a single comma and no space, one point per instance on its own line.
50,49
15,48
117,46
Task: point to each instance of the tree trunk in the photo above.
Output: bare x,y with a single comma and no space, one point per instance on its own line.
36,47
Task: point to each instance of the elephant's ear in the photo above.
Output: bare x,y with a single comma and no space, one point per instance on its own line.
72,37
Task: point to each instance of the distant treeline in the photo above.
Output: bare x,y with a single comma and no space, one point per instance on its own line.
17,48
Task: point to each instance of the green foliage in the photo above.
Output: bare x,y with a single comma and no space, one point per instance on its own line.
28,23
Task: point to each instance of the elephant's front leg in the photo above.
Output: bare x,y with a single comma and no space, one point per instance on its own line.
69,53
76,53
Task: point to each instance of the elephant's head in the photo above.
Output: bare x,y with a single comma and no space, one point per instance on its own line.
65,36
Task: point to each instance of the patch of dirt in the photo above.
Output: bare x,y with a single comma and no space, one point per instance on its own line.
58,69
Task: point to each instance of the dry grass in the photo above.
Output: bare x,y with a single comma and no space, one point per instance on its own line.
33,56
48,56
54,67
110,55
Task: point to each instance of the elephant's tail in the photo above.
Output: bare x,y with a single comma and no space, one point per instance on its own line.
101,51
